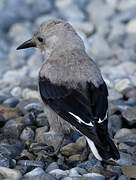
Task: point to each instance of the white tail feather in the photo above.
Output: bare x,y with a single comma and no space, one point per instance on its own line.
93,148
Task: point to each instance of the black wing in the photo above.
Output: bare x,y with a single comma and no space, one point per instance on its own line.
71,105
83,114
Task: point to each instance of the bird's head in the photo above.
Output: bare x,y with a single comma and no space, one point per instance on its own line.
53,34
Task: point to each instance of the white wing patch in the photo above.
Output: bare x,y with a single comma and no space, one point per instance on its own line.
80,120
101,120
93,148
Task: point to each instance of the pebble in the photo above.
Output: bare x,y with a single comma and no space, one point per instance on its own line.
11,102
2,120
31,163
50,138
94,176
10,173
41,177
124,132
115,123
16,91
41,120
36,107
58,173
122,85
27,134
13,128
123,177
52,166
28,94
125,159
130,115
35,172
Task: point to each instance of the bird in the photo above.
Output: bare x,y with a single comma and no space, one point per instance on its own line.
71,87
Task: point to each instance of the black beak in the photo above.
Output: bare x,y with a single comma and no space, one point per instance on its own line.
27,44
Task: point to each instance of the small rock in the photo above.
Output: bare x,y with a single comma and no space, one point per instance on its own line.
16,91
129,171
29,119
130,115
3,97
124,132
130,93
35,172
81,142
36,107
58,173
100,48
22,104
122,85
50,138
115,123
106,173
113,94
94,176
125,159
13,128
71,149
88,165
2,121
41,120
75,157
28,93
73,173
27,134
31,163
131,26
10,173
52,166
122,177
41,177
9,113
11,102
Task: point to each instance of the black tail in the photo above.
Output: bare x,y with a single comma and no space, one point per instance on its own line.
110,150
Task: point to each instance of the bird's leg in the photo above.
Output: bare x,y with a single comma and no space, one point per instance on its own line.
56,152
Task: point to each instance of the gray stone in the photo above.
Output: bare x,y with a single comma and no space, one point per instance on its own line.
50,138
74,173
4,96
34,107
27,134
115,123
58,173
13,128
100,48
88,165
41,177
28,94
123,5
126,15
17,9
113,94
123,177
11,102
2,120
16,91
29,119
10,173
130,115
22,104
93,176
69,10
106,11
32,163
125,159
52,166
41,120
121,133
35,172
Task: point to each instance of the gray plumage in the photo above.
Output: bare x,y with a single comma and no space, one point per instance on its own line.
69,73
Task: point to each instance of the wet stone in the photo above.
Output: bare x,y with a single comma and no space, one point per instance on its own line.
2,120
29,119
10,173
27,134
31,163
130,115
41,177
93,176
41,120
58,173
11,102
34,107
35,172
13,128
3,96
22,104
52,166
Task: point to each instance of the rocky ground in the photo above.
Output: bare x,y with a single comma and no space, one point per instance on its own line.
108,28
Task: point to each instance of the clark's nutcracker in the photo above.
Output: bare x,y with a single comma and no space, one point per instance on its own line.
71,87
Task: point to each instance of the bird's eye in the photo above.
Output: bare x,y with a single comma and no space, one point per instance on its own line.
40,39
